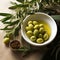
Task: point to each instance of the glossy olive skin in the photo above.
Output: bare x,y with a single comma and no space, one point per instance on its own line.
36,26
33,38
6,40
30,22
41,30
36,32
27,28
41,25
35,22
45,36
39,40
29,33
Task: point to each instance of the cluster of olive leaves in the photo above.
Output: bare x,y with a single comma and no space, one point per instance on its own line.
24,8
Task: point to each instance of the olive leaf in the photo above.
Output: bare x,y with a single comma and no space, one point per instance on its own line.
17,6
6,28
22,1
6,18
14,23
7,22
11,23
5,14
14,7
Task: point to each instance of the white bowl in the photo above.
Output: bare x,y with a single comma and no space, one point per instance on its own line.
40,16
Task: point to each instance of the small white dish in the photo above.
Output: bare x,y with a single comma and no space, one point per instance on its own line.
40,16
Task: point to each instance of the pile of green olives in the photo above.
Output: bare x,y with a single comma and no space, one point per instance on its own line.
36,32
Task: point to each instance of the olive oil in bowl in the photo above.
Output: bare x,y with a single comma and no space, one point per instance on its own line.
38,31
47,27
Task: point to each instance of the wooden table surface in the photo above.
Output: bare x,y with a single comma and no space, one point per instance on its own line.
5,52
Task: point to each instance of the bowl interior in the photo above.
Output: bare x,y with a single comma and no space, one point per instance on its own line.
41,16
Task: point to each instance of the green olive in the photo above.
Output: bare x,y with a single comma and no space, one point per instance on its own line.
30,22
35,22
36,27
41,30
41,25
45,36
36,32
6,40
40,35
29,33
27,28
40,40
33,38
31,26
